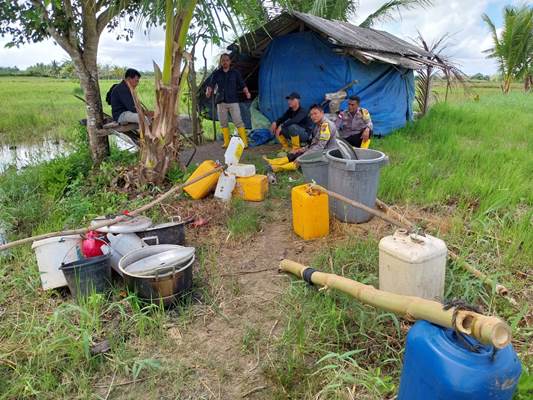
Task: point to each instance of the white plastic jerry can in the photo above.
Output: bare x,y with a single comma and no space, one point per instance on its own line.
225,186
241,170
412,265
234,151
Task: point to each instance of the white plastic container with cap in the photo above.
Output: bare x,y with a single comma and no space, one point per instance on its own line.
234,151
412,265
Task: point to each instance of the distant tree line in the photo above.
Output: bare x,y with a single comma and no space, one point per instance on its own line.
64,70
480,77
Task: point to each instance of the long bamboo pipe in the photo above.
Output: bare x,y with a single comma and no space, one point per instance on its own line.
115,220
402,222
488,330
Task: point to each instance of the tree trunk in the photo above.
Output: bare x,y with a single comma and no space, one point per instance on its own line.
506,85
196,129
528,82
160,143
99,145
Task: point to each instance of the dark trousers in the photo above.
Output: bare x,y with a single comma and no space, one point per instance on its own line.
295,130
357,139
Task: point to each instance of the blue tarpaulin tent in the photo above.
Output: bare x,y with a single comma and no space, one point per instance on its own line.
306,63
314,56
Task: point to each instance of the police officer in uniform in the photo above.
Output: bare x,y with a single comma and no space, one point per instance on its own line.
355,125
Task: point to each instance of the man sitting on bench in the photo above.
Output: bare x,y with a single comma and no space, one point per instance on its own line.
121,101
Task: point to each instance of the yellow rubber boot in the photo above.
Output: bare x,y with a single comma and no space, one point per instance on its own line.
295,141
292,166
243,136
276,161
284,143
225,134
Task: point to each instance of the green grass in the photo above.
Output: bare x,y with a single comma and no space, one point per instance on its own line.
474,159
467,162
34,109
245,219
44,340
470,161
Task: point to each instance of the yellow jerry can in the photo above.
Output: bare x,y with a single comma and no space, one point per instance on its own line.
251,188
205,186
310,212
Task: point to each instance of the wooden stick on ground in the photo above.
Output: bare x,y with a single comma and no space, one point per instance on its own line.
115,220
488,330
396,219
361,206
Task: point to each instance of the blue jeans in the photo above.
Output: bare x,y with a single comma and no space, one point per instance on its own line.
295,130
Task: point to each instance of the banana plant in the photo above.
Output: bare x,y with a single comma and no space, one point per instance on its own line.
160,143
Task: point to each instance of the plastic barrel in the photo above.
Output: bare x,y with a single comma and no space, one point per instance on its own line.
315,168
88,275
440,365
355,179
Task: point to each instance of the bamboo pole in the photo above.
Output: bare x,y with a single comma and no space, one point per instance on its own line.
402,222
115,220
486,329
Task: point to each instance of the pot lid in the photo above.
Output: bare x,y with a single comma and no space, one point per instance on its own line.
162,272
346,149
162,226
163,260
130,225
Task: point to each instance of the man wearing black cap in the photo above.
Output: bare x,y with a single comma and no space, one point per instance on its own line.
294,124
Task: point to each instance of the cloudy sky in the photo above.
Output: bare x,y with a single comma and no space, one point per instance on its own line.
460,18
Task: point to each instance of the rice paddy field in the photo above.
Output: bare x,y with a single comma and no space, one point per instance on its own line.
462,173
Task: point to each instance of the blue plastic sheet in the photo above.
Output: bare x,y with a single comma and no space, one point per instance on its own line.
306,63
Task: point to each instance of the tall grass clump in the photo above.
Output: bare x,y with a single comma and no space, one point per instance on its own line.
46,338
471,161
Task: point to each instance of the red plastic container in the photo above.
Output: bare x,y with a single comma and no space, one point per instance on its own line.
92,245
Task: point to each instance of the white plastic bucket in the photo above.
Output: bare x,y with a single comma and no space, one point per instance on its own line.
51,253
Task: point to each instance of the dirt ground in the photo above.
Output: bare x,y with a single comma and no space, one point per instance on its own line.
226,345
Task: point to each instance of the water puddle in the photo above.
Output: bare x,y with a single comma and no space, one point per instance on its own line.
24,154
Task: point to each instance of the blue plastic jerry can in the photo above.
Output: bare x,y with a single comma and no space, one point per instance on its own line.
440,365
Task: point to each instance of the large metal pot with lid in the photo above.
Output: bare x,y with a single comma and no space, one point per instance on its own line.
160,273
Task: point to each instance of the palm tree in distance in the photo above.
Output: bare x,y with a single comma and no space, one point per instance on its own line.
513,46
342,10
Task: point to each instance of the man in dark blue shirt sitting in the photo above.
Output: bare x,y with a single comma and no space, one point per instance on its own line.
122,105
226,83
294,124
